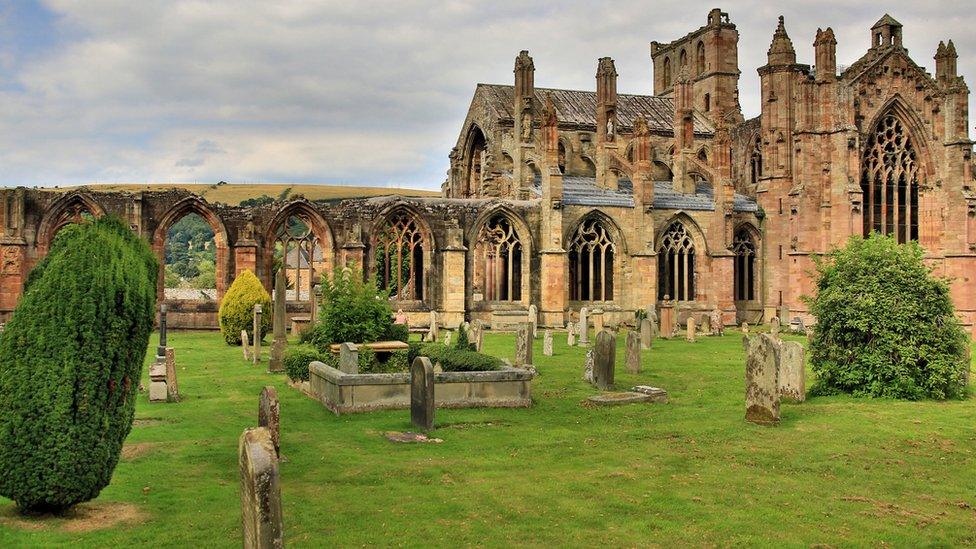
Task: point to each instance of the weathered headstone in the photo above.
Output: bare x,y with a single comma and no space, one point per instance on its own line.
349,358
784,314
584,326
646,333
571,335
260,490
172,386
718,323
256,351
690,330
447,339
796,326
762,379
745,328
598,325
633,352
245,345
704,324
157,381
161,349
277,360
547,343
422,393
534,320
792,371
479,338
774,326
523,345
604,358
810,334
588,367
316,298
269,416
433,326
667,319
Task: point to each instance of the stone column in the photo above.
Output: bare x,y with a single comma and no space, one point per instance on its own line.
161,349
584,326
452,278
690,333
276,363
260,490
422,393
604,358
256,354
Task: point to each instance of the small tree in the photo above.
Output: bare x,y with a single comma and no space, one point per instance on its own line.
70,362
886,327
352,310
237,308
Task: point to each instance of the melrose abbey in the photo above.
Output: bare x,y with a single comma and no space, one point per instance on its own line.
564,199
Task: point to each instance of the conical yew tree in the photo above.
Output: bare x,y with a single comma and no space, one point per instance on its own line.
237,308
70,361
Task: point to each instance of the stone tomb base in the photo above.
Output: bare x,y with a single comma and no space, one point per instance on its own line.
349,393
640,394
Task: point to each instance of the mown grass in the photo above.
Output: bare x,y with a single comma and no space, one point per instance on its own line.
837,471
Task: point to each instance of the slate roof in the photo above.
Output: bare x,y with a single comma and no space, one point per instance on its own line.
583,191
577,107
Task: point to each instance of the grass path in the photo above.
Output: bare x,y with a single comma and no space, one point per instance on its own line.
837,471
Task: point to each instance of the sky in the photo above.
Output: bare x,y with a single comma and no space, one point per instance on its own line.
347,92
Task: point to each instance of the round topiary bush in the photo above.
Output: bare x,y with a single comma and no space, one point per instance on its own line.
886,327
237,308
70,362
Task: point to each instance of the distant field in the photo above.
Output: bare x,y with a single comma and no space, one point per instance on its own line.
234,193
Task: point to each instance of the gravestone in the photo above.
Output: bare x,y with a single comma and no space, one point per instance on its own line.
479,338
422,393
349,358
277,360
667,319
762,379
745,328
588,367
633,352
792,371
571,335
718,324
316,298
704,324
523,345
447,339
547,343
256,351
774,326
157,381
810,334
245,345
269,416
161,349
796,326
784,314
690,333
260,490
604,357
584,326
597,315
646,333
534,320
433,326
172,386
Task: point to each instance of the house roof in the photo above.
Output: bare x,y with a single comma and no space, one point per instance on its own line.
583,191
579,107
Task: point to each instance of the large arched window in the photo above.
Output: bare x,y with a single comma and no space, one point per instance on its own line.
399,257
682,59
591,252
744,274
700,58
756,161
889,181
300,254
676,264
561,158
667,72
498,260
476,151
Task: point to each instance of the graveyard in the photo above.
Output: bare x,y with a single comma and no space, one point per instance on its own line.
835,471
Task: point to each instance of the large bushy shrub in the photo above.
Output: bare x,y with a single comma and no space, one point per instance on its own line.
237,308
453,359
296,362
352,310
70,364
885,325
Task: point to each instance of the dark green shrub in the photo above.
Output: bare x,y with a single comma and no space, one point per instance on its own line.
462,342
70,364
398,332
296,362
237,308
886,327
352,311
459,360
398,361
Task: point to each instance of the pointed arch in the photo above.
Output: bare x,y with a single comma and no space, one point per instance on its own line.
755,160
700,58
306,245
73,207
594,245
475,147
196,205
676,263
500,262
745,271
401,254
666,70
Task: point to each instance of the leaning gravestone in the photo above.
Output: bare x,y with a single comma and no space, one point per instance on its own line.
245,345
604,358
690,333
633,352
348,358
547,343
422,393
534,320
571,335
256,353
646,333
762,379
269,416
260,490
792,382
523,345
718,324
584,326
774,326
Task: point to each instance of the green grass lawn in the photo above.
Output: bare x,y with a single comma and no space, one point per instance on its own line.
836,471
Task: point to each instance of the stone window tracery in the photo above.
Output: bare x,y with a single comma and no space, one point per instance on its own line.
676,264
756,160
889,181
744,274
300,254
591,255
498,260
399,261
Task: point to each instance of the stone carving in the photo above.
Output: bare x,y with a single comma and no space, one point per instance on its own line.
401,317
604,358
718,324
547,343
762,379
269,416
792,371
690,330
276,363
349,358
260,490
479,335
646,333
633,352
422,393
523,345
447,339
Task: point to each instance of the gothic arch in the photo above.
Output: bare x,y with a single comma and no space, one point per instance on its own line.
746,270
317,225
188,205
666,69
897,105
67,209
475,145
514,269
701,245
700,58
595,245
402,231
680,251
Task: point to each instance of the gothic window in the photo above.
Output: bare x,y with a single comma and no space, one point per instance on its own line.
676,264
667,72
889,181
700,59
682,59
77,212
745,265
562,158
400,250
476,154
703,156
756,161
498,260
591,252
300,254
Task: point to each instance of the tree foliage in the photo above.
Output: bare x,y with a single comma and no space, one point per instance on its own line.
236,312
190,255
352,310
70,362
886,327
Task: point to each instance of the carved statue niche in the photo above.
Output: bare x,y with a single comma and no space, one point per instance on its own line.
526,119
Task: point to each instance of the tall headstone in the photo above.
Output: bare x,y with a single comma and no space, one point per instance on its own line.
269,416
433,326
316,299
161,349
571,335
547,343
597,315
172,385
646,333
667,319
792,371
604,357
534,320
704,323
348,358
523,345
245,345
718,324
422,393
633,352
260,490
584,326
762,379
691,330
784,315
588,367
774,326
256,351
479,335
277,362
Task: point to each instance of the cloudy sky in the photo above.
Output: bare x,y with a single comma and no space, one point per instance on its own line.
350,92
